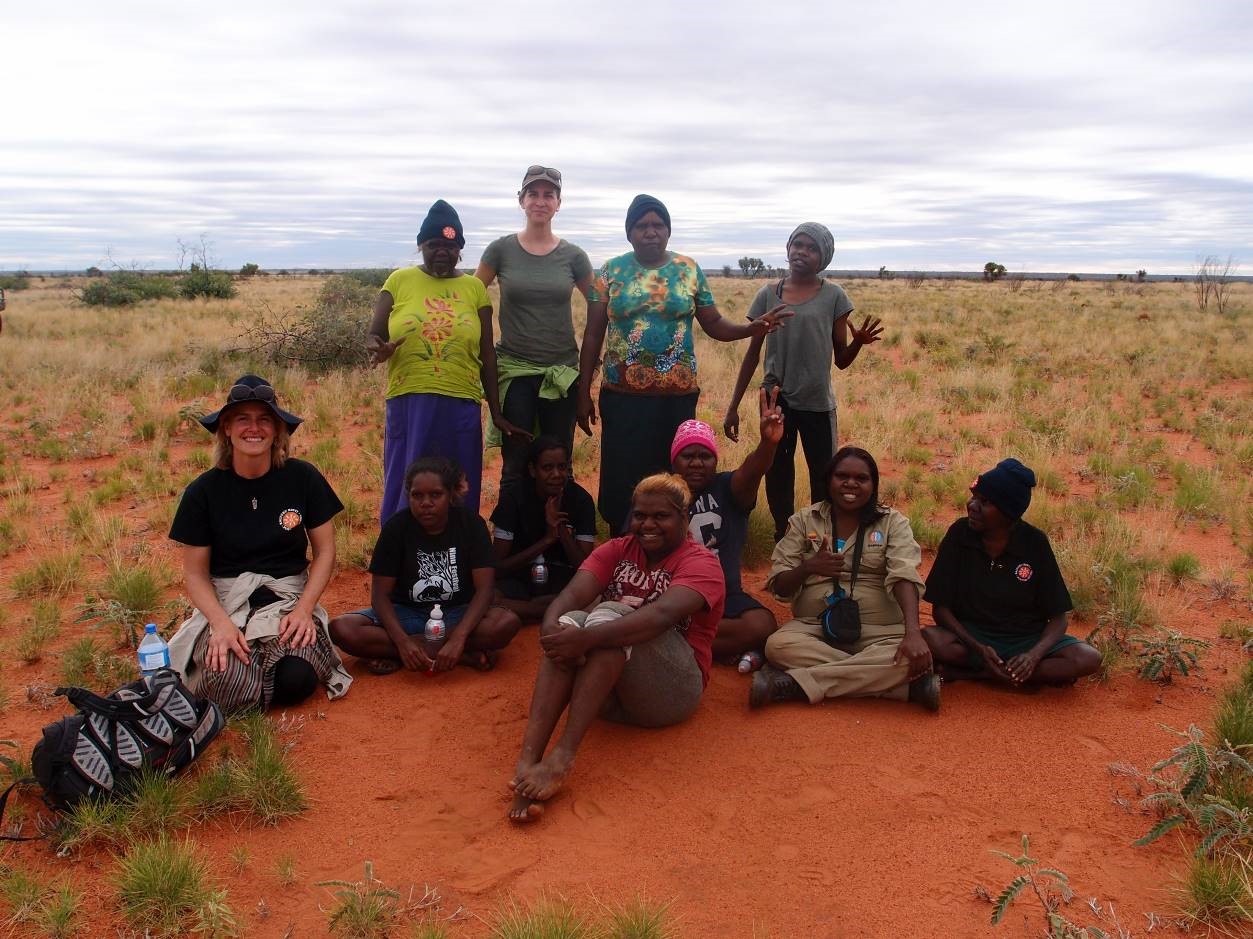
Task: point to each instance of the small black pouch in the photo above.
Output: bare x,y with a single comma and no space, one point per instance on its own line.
841,620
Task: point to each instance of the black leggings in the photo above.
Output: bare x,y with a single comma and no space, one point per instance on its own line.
524,407
817,435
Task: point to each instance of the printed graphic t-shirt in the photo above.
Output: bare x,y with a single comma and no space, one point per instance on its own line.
439,318
432,569
536,321
255,525
799,357
648,347
717,522
622,570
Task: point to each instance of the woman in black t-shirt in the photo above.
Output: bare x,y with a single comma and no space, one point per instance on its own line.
433,553
997,593
258,637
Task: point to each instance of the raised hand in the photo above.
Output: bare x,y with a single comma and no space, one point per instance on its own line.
769,322
771,415
379,350
869,331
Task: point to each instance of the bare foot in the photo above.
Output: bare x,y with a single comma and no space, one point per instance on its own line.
544,779
524,809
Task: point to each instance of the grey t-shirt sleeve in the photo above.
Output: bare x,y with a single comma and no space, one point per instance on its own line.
491,255
760,304
580,263
843,305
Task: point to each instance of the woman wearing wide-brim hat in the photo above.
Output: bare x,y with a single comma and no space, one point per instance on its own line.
258,637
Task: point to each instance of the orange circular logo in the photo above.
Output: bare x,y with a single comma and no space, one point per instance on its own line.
1023,572
289,519
450,233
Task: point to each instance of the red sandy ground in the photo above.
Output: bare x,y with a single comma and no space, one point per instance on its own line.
855,818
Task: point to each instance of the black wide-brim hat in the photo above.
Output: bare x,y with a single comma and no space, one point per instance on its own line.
252,388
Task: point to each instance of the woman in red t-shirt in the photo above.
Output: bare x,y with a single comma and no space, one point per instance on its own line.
641,658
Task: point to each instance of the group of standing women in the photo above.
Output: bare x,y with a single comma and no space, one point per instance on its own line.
638,620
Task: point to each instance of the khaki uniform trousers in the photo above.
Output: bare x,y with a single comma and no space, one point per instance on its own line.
823,671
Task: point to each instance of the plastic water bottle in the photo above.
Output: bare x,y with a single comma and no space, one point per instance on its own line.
435,628
539,571
154,654
750,662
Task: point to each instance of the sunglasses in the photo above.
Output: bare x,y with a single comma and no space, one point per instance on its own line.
536,169
248,393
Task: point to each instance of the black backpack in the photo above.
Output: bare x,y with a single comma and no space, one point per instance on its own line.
154,722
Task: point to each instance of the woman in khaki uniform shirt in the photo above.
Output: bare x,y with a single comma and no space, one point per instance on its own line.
815,558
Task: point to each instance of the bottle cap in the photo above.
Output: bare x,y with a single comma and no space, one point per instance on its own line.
150,628
436,612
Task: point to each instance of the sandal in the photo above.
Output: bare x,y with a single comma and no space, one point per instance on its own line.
381,666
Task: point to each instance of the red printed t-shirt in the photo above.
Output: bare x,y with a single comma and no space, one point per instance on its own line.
622,570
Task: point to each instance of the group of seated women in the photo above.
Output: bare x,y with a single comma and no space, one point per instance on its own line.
630,628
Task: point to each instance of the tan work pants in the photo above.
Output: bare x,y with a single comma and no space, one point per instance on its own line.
823,671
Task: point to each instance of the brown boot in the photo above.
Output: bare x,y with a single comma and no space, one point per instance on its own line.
770,685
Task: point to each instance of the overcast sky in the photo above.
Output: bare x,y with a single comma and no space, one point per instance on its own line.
1052,136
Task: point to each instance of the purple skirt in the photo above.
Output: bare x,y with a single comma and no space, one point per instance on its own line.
430,425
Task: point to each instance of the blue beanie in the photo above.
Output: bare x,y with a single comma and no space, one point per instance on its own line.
640,206
442,221
1008,487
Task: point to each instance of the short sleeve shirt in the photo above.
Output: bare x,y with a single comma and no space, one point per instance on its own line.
648,348
257,526
1014,595
799,357
536,319
622,570
519,518
432,569
715,521
439,320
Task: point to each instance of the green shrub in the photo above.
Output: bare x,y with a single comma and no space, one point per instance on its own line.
201,282
368,276
250,270
329,335
126,288
164,887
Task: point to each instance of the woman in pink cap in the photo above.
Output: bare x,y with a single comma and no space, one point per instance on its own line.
718,519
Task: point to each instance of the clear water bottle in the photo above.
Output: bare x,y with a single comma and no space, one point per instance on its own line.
539,571
154,654
750,662
435,627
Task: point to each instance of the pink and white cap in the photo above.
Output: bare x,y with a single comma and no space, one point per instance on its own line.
691,432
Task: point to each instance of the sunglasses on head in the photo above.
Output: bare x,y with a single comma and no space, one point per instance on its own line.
536,169
248,393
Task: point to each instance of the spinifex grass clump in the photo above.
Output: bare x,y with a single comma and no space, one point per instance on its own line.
364,909
164,887
264,781
129,595
49,909
53,576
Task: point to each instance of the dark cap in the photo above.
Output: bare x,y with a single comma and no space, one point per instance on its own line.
252,388
1007,486
640,206
442,221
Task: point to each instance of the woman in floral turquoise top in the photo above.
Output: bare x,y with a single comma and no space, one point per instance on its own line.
646,301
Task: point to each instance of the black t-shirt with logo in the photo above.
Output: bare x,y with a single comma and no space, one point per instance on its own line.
715,521
1011,595
432,569
255,525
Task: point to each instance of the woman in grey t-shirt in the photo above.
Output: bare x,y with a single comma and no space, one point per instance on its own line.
798,362
537,358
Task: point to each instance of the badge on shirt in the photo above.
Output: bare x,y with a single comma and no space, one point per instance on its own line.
1023,572
289,519
876,537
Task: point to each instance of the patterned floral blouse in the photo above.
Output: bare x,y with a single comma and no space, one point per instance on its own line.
648,349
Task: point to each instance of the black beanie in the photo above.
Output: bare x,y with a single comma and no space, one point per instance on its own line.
442,222
641,205
1008,487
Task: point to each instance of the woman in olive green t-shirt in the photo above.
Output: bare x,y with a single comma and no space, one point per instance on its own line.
537,355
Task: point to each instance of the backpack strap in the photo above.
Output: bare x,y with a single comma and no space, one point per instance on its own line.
157,689
4,801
